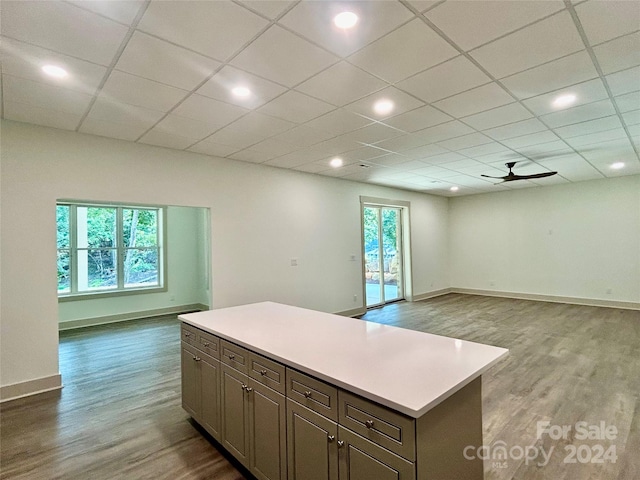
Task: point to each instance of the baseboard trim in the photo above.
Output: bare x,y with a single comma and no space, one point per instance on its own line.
434,293
123,317
591,302
354,312
30,387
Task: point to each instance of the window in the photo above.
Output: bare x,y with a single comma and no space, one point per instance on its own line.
108,248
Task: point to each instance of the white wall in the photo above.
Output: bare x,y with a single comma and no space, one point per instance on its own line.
575,240
261,217
187,274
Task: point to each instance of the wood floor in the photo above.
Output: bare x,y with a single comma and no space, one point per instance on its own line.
119,414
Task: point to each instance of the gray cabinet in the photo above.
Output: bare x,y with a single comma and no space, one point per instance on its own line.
312,444
200,388
234,409
361,459
267,432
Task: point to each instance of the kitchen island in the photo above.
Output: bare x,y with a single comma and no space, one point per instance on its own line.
299,394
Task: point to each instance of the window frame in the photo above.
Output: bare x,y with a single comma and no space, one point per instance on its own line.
120,248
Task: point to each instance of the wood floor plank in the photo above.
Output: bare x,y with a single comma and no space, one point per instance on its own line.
119,414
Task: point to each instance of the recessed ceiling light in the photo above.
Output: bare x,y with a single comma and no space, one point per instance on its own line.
345,20
564,100
617,165
454,189
336,162
241,91
54,71
383,107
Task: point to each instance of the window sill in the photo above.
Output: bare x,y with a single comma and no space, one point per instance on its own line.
71,297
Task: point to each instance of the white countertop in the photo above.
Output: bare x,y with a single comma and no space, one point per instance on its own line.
405,370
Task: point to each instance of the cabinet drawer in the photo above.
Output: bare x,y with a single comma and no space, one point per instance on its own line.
387,428
189,334
313,394
234,356
209,344
267,372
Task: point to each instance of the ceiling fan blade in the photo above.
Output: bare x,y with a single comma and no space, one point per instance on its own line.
538,175
489,176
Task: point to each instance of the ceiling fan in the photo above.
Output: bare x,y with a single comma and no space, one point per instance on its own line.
510,177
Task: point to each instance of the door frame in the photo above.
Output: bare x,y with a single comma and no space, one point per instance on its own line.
405,240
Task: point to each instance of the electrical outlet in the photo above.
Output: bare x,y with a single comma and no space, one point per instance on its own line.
172,298
609,291
492,283
355,298
294,262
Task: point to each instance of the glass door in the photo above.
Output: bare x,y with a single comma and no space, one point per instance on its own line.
382,254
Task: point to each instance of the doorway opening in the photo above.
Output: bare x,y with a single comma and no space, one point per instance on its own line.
384,277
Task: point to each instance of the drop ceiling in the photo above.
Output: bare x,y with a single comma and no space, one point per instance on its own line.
472,84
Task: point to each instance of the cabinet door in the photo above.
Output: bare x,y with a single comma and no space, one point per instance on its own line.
190,381
210,396
235,413
312,444
267,433
361,459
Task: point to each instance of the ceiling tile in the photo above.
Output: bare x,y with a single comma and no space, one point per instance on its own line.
314,20
581,113
516,129
402,103
589,127
338,122
444,131
631,118
209,111
155,59
625,81
373,133
123,11
185,127
574,68
603,21
22,112
423,151
542,151
466,141
248,155
481,150
273,147
531,139
403,143
103,128
64,28
572,167
164,139
541,42
445,158
26,61
286,161
125,116
223,82
471,24
296,107
418,119
587,142
216,29
424,5
311,168
209,147
134,90
302,136
427,49
45,96
268,8
474,101
390,160
620,53
449,78
496,117
250,129
270,56
586,92
628,101
341,83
